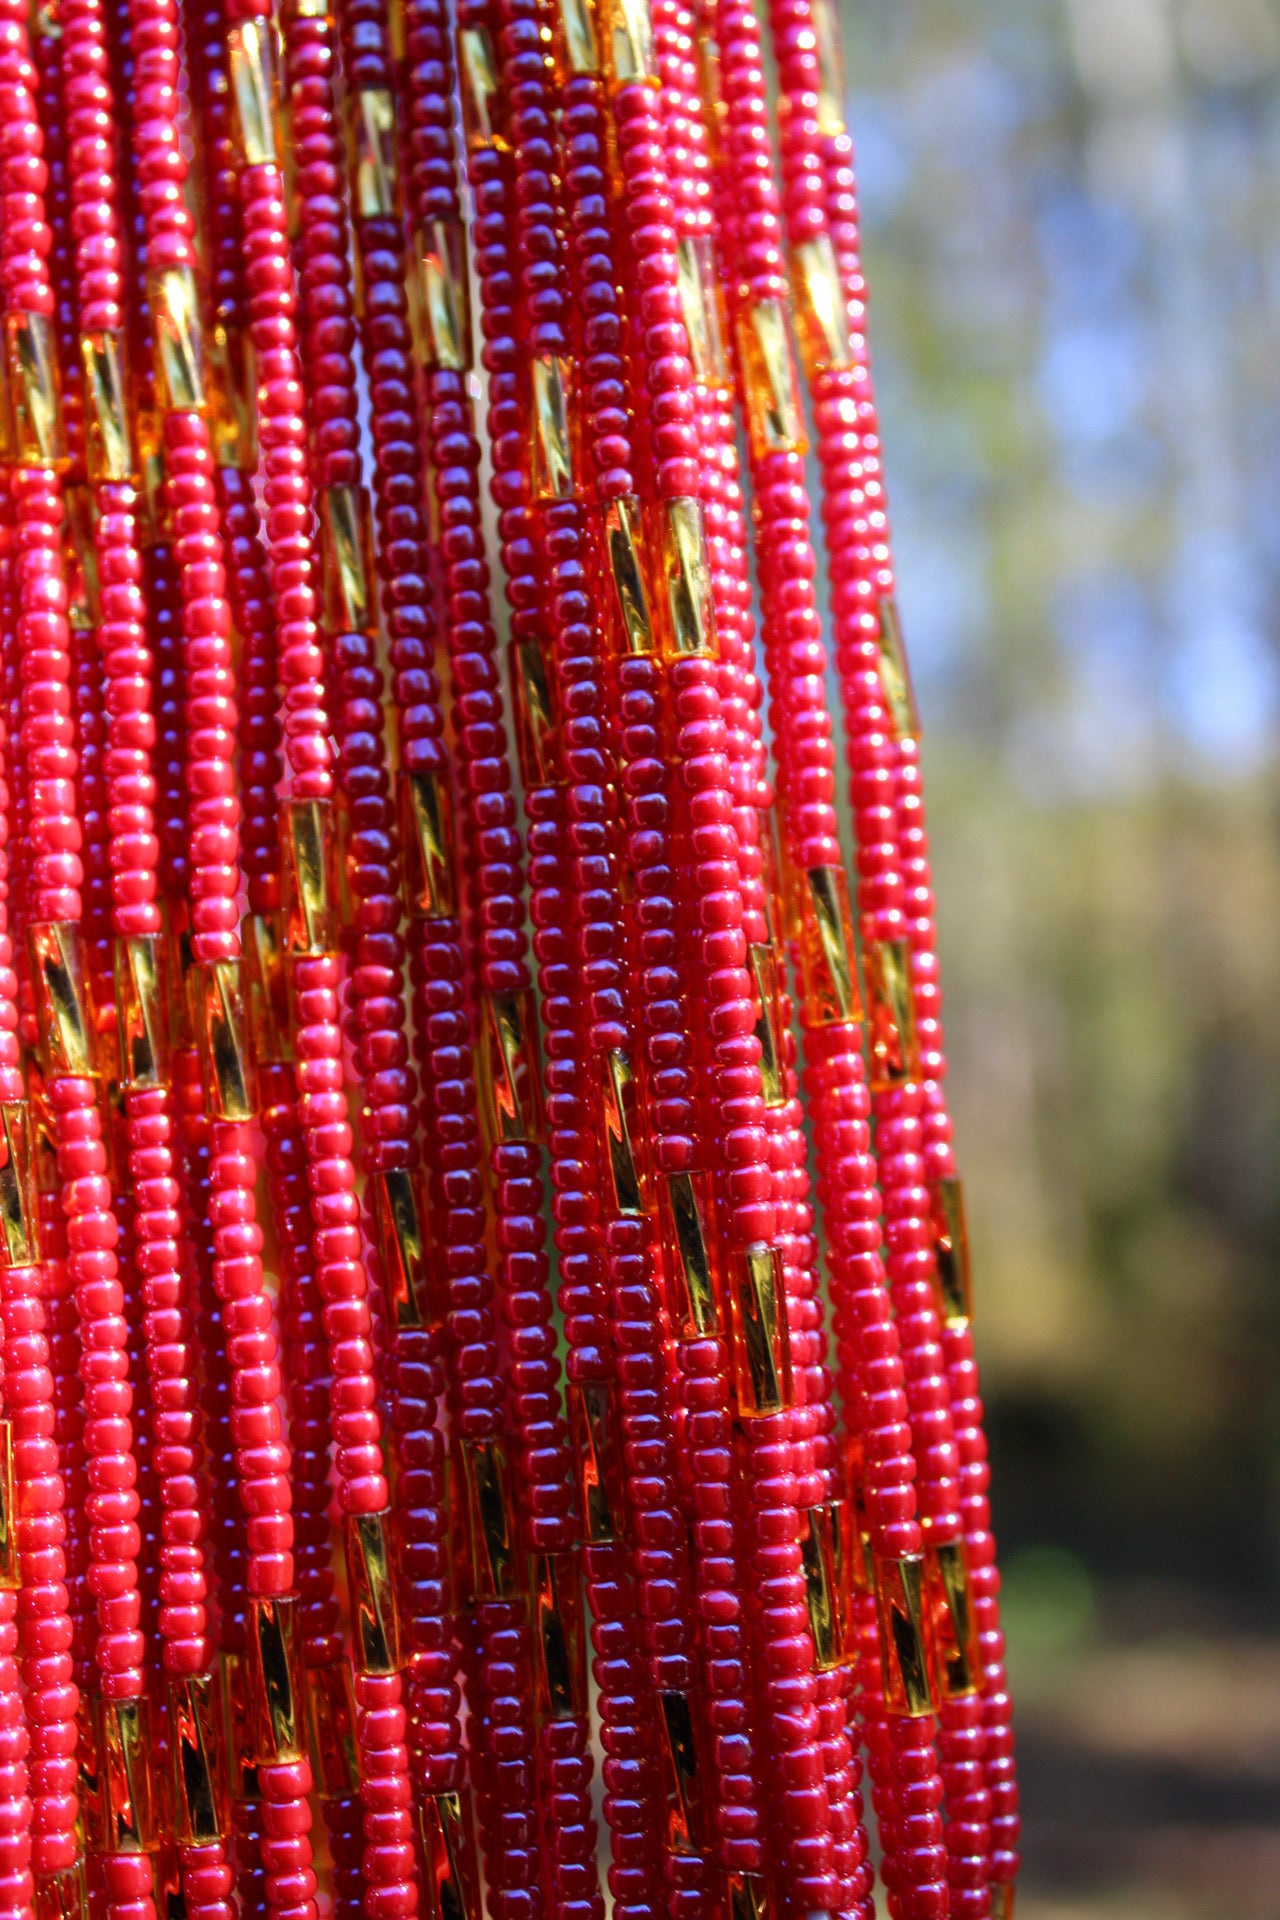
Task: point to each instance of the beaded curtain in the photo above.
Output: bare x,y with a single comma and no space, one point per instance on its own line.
439,1471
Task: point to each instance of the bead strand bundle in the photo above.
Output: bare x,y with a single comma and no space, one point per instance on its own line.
428,1377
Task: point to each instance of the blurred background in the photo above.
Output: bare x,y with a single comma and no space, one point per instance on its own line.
1072,230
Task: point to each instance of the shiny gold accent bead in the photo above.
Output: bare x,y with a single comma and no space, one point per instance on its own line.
125,1750
63,1894
952,1623
36,430
575,38
681,1772
826,33
372,123
903,1658
375,1627
491,1523
450,1878
179,341
619,1096
195,1740
274,1676
828,965
892,1044
10,1579
222,1037
534,711
628,36
331,1725
822,314
763,962
688,1220
748,1897
552,454
153,516
686,566
400,1217
624,540
775,423
761,1339
446,296
951,1249
559,1637
233,397
346,560
84,598
895,674
267,989
700,304
255,89
509,1090
141,1011
597,1446
19,1214
108,447
56,952
238,1721
309,869
427,838
478,85
1002,1902
829,1552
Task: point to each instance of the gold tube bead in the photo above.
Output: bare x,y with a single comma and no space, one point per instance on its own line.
375,1623
904,1656
624,547
701,304
37,432
108,443
619,1099
346,559
179,341
331,1726
761,1339
273,1663
951,1622
597,1448
826,34
400,1220
775,423
267,989
308,863
56,953
233,397
951,1251
62,1894
126,1751
10,1579
551,452
535,716
747,1896
451,1880
573,38
238,1724
254,60
627,31
491,1521
688,627
223,1040
197,1757
828,957
559,1637
19,1213
822,313
479,90
682,1772
895,674
426,835
763,963
1002,1901
84,598
371,122
829,1553
141,1010
446,296
892,1043
689,1251
508,1065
